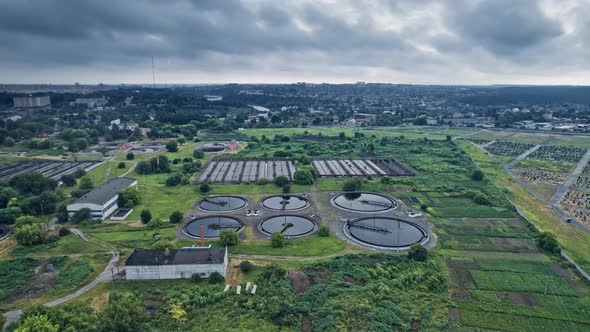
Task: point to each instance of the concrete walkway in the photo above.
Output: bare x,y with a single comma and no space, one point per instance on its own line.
105,276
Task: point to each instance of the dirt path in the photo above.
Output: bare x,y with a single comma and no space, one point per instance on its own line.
524,155
129,170
105,276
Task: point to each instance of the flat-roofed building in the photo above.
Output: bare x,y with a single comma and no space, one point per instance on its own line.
30,101
175,263
102,200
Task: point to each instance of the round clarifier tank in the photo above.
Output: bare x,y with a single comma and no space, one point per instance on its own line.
285,203
212,226
290,226
385,232
222,203
363,202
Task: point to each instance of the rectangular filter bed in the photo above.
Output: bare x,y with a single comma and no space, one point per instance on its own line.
361,167
238,171
50,169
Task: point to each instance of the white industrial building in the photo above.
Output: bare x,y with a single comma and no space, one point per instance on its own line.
102,201
30,101
176,263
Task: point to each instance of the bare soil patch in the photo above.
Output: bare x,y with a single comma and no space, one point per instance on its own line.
306,324
565,274
520,298
299,281
321,276
40,284
462,295
351,280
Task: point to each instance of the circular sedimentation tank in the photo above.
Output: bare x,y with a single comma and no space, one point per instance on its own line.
385,232
212,226
290,226
222,203
363,202
285,203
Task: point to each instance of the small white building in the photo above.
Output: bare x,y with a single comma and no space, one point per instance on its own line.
102,201
176,263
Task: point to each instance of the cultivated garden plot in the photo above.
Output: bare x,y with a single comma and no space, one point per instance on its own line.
577,199
533,175
582,216
558,153
511,149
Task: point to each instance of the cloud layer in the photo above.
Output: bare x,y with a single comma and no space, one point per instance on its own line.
199,41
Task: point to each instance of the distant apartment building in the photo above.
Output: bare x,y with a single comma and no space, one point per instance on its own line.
30,101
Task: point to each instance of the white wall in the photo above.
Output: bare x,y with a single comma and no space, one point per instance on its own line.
147,272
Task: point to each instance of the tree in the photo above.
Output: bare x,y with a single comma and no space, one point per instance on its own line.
418,253
181,140
144,167
28,235
449,137
196,278
146,216
215,278
172,146
32,183
352,185
86,183
477,175
246,266
121,165
129,198
481,198
9,141
81,215
68,180
324,231
37,323
198,154
176,217
6,195
286,188
130,156
281,180
548,241
123,313
277,240
80,172
162,244
204,187
228,237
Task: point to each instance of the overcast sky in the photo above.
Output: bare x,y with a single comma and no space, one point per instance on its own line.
275,41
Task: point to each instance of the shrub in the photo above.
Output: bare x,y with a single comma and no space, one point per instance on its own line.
130,156
303,177
86,183
548,241
261,181
477,175
172,146
64,231
121,165
215,278
196,278
155,223
128,198
80,172
81,215
324,231
423,207
176,217
198,153
28,235
418,253
68,180
173,180
277,240
228,237
286,188
146,216
246,266
481,198
204,187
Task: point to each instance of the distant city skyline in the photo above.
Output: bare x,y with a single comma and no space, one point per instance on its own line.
453,42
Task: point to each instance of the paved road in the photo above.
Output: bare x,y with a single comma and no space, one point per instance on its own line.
524,155
571,179
105,276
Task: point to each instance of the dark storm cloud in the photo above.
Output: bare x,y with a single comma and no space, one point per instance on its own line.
416,40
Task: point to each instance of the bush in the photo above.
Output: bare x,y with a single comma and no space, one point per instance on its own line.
216,278
324,231
64,231
228,237
172,146
176,217
128,198
204,187
418,253
477,175
86,183
277,240
261,181
155,223
28,235
246,266
130,156
81,215
173,180
121,165
198,153
146,216
286,188
68,180
423,207
303,177
481,198
281,180
548,241
80,172
196,278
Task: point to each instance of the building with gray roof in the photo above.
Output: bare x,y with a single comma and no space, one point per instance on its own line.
102,200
